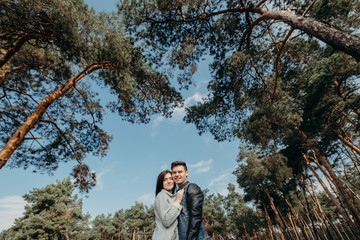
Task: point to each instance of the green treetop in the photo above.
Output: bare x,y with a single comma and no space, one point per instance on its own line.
52,212
52,52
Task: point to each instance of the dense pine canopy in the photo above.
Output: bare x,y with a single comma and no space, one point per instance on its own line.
53,53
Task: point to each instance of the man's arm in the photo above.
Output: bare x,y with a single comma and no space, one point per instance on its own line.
195,200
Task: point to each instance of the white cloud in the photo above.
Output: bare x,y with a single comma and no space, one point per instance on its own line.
220,179
147,199
197,97
99,181
220,183
11,207
223,191
202,166
178,113
158,121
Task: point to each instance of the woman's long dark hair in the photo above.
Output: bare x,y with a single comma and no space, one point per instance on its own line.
160,182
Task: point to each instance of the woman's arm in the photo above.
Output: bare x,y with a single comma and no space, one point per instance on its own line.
168,211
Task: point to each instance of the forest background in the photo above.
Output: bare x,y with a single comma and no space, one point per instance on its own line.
284,81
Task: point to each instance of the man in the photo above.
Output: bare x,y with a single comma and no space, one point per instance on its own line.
191,223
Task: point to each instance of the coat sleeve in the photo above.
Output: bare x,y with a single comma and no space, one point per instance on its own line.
168,211
195,200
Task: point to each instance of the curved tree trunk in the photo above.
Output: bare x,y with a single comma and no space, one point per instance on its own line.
337,39
18,136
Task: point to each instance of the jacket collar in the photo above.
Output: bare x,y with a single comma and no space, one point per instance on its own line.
167,192
182,186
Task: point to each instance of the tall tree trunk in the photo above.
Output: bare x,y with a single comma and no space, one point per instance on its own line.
317,203
322,226
332,198
353,156
307,208
335,180
268,221
245,231
277,214
296,220
293,226
134,234
330,180
66,236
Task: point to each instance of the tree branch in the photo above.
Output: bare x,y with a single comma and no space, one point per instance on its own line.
20,42
62,134
258,10
86,103
18,136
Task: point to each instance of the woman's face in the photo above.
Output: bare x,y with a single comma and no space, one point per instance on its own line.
168,183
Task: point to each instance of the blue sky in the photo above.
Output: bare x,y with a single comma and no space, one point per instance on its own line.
138,153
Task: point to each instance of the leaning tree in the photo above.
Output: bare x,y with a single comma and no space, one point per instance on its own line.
54,56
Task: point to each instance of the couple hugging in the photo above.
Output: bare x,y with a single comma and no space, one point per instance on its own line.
178,216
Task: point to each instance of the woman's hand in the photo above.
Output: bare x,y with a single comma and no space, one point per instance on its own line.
179,196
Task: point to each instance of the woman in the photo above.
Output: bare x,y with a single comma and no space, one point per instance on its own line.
167,208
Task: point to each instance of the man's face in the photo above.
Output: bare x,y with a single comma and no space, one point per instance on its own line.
179,175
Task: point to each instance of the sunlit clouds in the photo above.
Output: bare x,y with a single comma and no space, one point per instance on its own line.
202,166
147,199
220,183
11,207
178,113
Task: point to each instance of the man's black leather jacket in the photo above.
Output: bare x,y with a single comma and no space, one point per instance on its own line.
190,218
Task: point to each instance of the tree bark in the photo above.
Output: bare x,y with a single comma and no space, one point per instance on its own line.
335,180
18,136
307,208
337,39
332,198
278,217
296,222
350,144
343,96
268,221
317,203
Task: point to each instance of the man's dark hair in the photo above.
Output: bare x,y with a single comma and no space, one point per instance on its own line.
178,163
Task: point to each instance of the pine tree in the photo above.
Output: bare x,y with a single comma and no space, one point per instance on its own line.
54,55
52,212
